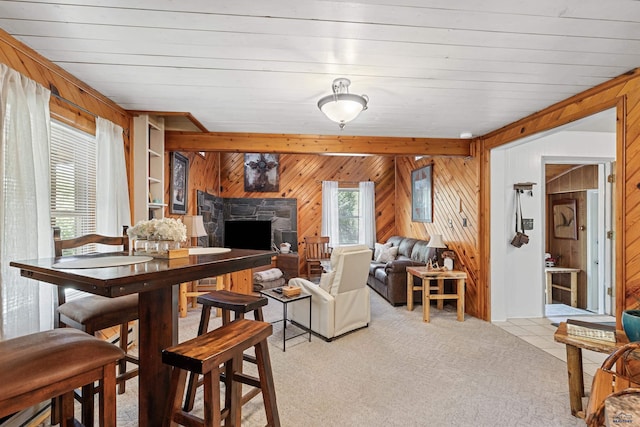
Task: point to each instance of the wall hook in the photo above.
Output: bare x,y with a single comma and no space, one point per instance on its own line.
524,186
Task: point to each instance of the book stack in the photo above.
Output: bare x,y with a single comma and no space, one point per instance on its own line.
590,330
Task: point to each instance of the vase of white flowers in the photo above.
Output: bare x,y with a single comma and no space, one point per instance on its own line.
156,237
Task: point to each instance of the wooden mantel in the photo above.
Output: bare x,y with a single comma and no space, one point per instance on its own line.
315,144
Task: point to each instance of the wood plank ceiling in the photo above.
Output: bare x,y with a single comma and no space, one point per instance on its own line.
431,68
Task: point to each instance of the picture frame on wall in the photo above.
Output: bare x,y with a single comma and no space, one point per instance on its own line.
565,219
422,194
179,183
261,172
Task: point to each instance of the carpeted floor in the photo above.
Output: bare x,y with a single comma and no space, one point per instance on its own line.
402,372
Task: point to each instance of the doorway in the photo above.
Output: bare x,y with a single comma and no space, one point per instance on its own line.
586,250
517,274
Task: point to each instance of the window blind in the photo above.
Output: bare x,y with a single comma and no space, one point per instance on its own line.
73,182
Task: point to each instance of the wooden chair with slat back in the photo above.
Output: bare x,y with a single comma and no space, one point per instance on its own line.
93,313
317,250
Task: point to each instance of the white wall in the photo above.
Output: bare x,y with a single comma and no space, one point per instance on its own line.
517,274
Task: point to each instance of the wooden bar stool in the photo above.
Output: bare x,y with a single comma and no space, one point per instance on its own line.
228,302
50,364
190,291
206,354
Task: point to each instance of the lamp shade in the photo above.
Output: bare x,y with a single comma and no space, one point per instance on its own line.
342,107
195,226
436,242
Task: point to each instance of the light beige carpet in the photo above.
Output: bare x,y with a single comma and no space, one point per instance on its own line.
402,372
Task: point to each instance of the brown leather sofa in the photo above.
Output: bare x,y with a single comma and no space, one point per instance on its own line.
390,279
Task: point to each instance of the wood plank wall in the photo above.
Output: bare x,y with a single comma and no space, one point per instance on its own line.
569,253
300,178
204,175
456,197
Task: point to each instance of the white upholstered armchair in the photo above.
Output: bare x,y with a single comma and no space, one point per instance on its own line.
341,302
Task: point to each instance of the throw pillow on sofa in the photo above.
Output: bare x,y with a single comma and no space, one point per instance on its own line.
379,247
387,254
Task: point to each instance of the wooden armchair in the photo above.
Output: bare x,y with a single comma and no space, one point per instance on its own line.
618,375
94,313
316,250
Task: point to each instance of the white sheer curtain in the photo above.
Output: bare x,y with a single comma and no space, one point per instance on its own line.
367,202
330,221
112,190
27,305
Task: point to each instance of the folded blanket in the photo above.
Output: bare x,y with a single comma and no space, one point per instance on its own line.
267,275
269,284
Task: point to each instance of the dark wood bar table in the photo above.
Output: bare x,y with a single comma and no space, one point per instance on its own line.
158,304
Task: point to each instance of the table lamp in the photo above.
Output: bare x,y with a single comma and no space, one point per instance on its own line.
195,228
436,242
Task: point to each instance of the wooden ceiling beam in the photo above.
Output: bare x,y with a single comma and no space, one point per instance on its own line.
315,144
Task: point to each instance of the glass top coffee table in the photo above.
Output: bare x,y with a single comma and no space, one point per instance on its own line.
284,300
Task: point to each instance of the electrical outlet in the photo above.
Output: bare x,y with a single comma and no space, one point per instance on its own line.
527,223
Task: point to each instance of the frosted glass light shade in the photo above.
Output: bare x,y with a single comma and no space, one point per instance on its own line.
342,107
436,242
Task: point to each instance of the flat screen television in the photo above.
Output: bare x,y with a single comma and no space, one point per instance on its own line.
247,234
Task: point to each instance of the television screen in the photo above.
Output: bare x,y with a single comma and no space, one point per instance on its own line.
247,234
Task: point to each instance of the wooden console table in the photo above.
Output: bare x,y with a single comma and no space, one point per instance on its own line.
574,346
439,276
550,271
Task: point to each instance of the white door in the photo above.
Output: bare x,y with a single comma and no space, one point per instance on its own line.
595,292
599,262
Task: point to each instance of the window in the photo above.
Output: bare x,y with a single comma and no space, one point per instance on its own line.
348,215
73,182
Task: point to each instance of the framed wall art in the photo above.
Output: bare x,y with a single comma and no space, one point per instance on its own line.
179,183
422,194
565,214
261,172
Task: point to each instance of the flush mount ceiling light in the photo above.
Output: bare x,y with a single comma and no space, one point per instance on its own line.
342,107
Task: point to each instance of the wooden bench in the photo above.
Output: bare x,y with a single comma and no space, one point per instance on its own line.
50,364
208,354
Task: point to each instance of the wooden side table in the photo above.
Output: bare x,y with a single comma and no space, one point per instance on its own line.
550,271
574,345
427,276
